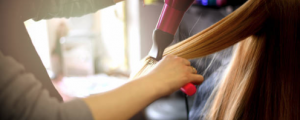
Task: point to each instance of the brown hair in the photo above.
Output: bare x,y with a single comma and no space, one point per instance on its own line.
261,81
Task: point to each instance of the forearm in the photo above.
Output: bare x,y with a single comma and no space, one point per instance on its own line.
124,102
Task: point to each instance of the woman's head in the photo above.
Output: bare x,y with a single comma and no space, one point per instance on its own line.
261,82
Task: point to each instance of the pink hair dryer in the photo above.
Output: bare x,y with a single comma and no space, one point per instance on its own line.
167,25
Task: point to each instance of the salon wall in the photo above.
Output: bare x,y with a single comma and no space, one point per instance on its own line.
140,22
149,15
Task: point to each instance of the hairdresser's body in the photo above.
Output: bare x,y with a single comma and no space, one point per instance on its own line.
27,92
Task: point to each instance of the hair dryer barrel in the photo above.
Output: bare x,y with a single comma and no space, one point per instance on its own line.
171,15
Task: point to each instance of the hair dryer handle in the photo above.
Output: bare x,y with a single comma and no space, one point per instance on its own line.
189,89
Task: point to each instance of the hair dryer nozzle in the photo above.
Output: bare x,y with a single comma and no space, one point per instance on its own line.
161,40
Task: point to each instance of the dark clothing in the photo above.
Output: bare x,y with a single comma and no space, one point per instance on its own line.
205,89
212,67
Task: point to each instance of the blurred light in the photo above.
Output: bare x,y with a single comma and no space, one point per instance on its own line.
205,2
113,34
133,29
148,2
38,32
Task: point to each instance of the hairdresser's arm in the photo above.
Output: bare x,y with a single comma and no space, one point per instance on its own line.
46,9
23,97
122,103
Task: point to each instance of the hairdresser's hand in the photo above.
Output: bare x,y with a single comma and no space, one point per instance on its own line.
171,73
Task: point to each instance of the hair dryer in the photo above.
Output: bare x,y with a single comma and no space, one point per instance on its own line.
163,35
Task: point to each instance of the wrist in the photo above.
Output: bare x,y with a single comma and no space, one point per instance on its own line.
157,87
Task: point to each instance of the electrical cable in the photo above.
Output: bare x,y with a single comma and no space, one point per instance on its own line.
187,106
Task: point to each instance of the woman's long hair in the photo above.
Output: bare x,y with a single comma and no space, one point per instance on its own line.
262,80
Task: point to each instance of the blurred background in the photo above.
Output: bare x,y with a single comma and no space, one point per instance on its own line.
97,52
